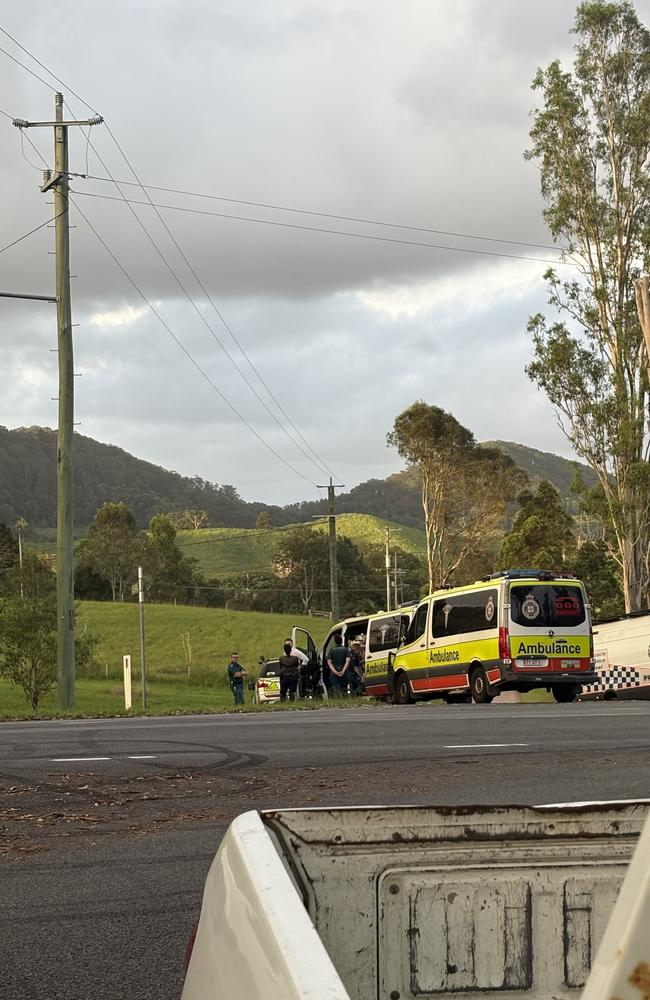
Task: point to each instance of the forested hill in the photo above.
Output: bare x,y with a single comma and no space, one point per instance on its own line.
542,465
104,472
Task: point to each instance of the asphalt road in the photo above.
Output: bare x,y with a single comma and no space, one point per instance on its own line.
105,858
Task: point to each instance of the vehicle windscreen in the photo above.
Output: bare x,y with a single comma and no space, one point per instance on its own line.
271,667
546,605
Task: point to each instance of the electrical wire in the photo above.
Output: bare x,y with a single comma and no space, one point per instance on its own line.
187,353
318,214
332,232
22,64
30,233
318,462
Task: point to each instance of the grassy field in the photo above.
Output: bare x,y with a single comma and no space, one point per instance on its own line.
213,634
176,682
224,552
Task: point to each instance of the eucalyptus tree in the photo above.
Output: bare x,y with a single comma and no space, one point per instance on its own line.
591,141
465,489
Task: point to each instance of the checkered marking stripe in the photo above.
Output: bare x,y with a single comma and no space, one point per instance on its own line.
615,677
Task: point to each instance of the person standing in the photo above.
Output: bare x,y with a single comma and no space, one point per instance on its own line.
356,670
304,667
338,661
236,674
289,673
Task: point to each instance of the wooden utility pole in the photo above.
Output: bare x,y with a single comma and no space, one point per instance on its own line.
334,576
58,182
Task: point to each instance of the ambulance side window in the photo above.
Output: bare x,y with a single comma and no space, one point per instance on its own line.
418,625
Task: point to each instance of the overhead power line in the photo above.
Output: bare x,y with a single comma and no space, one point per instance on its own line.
318,214
320,229
314,458
31,232
187,353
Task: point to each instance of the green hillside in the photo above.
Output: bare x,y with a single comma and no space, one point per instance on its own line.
214,634
224,552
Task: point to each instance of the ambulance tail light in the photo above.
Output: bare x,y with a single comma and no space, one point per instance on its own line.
504,644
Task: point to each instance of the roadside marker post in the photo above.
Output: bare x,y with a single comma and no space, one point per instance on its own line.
126,662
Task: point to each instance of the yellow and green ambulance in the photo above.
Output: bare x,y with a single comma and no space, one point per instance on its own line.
512,631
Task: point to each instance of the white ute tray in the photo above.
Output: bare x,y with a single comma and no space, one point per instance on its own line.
411,903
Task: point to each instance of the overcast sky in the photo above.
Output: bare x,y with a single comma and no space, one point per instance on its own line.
414,113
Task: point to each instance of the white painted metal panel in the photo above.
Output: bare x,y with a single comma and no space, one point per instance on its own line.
255,940
622,966
449,903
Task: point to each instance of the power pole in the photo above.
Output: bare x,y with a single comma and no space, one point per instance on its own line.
387,568
334,576
58,181
395,580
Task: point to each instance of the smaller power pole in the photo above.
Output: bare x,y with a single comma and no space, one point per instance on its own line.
387,568
395,580
143,656
334,576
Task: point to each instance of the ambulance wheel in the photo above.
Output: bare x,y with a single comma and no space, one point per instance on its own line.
610,696
479,687
564,693
402,690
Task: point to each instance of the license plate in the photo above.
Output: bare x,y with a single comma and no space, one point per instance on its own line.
570,664
532,661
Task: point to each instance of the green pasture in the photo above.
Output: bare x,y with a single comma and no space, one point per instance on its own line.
224,552
187,642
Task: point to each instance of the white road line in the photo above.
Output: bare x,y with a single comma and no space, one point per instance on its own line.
61,760
480,746
142,756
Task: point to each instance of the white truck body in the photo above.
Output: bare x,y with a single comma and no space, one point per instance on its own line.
411,903
622,655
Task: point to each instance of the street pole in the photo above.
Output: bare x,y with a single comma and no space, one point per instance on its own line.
58,181
19,529
143,657
387,568
334,576
64,548
395,580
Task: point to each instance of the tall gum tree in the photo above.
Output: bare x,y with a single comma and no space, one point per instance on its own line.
591,141
465,488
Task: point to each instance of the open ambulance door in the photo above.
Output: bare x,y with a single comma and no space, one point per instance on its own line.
303,641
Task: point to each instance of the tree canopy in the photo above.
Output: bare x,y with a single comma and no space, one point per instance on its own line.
465,489
591,141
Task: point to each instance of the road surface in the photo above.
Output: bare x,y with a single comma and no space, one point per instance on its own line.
107,827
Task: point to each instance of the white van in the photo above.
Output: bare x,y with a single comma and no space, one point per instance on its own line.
622,651
380,635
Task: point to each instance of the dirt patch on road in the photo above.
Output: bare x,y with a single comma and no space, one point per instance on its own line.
42,814
35,816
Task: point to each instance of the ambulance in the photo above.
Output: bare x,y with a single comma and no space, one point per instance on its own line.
517,630
622,650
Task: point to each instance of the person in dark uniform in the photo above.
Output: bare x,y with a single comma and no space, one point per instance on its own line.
338,661
236,674
289,674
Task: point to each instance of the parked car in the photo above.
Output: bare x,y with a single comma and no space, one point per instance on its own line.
267,686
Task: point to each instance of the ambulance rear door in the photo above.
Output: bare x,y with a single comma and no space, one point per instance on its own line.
302,640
